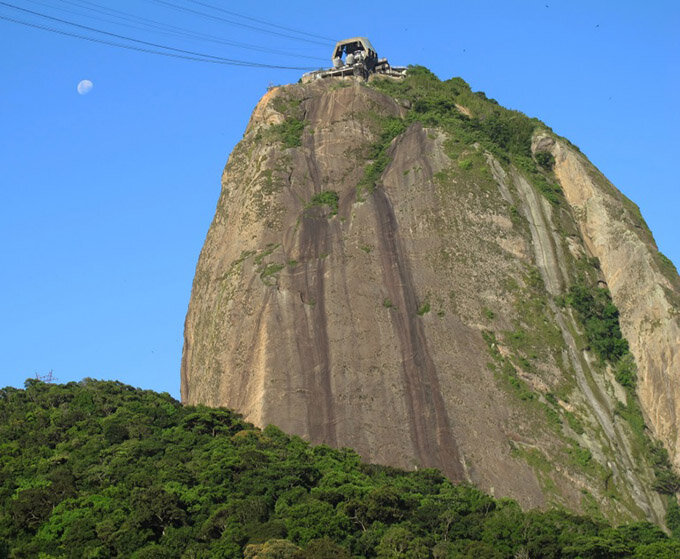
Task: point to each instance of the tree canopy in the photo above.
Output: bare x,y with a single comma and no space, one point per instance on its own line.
99,469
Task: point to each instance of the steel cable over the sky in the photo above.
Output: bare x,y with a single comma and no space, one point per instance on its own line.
236,23
163,28
140,49
230,12
175,52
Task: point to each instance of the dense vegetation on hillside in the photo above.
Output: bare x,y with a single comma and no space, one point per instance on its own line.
99,469
470,117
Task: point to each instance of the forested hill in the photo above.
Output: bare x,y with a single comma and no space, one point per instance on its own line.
100,469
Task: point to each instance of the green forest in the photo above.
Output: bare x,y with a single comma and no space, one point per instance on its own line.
100,469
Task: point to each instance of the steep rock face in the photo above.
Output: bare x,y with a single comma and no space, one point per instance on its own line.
643,286
415,320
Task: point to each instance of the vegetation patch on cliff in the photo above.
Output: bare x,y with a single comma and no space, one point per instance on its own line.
434,103
289,132
328,198
600,319
390,128
505,133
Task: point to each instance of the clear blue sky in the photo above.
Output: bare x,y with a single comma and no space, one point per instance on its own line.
107,197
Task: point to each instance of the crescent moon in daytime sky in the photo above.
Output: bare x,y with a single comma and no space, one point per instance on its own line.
84,87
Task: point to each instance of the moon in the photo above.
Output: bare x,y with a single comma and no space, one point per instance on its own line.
84,87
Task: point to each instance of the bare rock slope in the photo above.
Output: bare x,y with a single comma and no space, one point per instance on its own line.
375,280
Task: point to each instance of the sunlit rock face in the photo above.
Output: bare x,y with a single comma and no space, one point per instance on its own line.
643,284
410,303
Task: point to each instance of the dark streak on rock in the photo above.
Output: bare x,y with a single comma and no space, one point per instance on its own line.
241,393
311,334
434,443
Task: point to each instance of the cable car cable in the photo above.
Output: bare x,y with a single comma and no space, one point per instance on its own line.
232,22
130,47
167,28
220,9
191,55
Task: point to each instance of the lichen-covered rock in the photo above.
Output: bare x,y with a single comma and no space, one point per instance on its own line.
402,293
